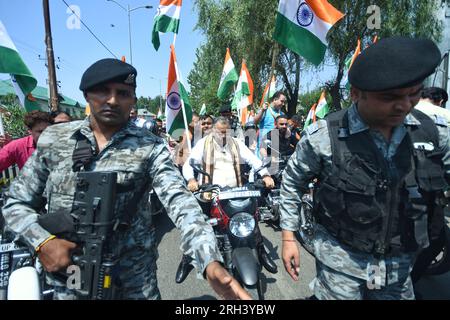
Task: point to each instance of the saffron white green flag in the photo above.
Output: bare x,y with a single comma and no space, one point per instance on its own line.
311,117
10,62
269,91
322,108
167,19
229,77
349,63
243,96
302,26
177,101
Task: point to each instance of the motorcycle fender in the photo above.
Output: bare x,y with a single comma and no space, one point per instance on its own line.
246,264
24,284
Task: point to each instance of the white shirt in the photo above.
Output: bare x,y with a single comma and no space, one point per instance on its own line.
222,158
432,110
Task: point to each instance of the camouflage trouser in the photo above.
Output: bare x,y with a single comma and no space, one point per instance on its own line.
330,284
136,271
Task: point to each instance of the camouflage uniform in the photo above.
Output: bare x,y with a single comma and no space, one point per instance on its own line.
138,158
344,273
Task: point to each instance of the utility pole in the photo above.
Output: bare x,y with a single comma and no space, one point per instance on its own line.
54,101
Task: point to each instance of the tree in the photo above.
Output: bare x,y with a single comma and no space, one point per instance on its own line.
246,27
398,17
13,116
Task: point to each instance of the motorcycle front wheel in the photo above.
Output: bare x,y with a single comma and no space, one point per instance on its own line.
256,291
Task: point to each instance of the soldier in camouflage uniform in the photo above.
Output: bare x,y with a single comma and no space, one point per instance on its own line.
141,161
381,168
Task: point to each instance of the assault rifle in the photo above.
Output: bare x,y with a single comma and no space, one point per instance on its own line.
90,224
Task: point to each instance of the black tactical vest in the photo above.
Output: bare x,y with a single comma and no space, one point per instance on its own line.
374,205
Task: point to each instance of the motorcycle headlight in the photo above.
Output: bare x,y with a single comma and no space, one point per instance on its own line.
242,224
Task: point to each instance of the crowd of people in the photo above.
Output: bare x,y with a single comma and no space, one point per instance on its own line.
369,161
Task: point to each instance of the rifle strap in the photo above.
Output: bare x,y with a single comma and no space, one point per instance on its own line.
83,153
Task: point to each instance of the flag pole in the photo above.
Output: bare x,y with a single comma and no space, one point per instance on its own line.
174,39
272,68
182,106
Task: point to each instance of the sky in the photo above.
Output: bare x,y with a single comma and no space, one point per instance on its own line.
76,49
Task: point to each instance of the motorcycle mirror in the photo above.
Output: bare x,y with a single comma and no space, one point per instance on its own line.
198,168
266,163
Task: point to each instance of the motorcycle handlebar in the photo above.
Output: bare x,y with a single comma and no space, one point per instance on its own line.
260,184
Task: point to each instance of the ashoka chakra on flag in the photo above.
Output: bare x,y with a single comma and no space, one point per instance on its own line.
174,101
305,15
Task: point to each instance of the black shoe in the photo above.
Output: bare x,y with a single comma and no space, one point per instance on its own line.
184,268
266,260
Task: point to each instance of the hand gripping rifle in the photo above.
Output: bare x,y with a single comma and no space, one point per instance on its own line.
90,224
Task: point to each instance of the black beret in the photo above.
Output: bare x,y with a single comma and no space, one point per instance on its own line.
225,108
108,70
394,63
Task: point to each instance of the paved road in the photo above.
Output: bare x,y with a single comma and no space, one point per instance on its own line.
278,286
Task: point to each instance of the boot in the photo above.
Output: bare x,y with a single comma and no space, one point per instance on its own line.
184,268
266,260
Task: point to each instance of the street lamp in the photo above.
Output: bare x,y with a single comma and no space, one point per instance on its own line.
129,10
160,90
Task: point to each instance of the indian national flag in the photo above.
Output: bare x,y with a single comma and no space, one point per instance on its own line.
322,108
229,77
269,91
311,116
243,97
302,26
21,77
349,63
167,19
177,102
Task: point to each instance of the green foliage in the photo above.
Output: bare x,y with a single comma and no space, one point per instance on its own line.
13,117
151,104
246,27
307,100
398,17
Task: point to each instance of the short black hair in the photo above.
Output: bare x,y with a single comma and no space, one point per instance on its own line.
281,116
277,94
206,116
34,117
435,94
296,118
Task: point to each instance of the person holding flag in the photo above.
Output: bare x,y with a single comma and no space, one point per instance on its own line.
265,118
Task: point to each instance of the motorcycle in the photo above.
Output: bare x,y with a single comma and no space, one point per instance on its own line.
21,274
233,214
270,205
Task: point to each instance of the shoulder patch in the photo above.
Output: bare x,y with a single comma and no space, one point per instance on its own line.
440,121
312,128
